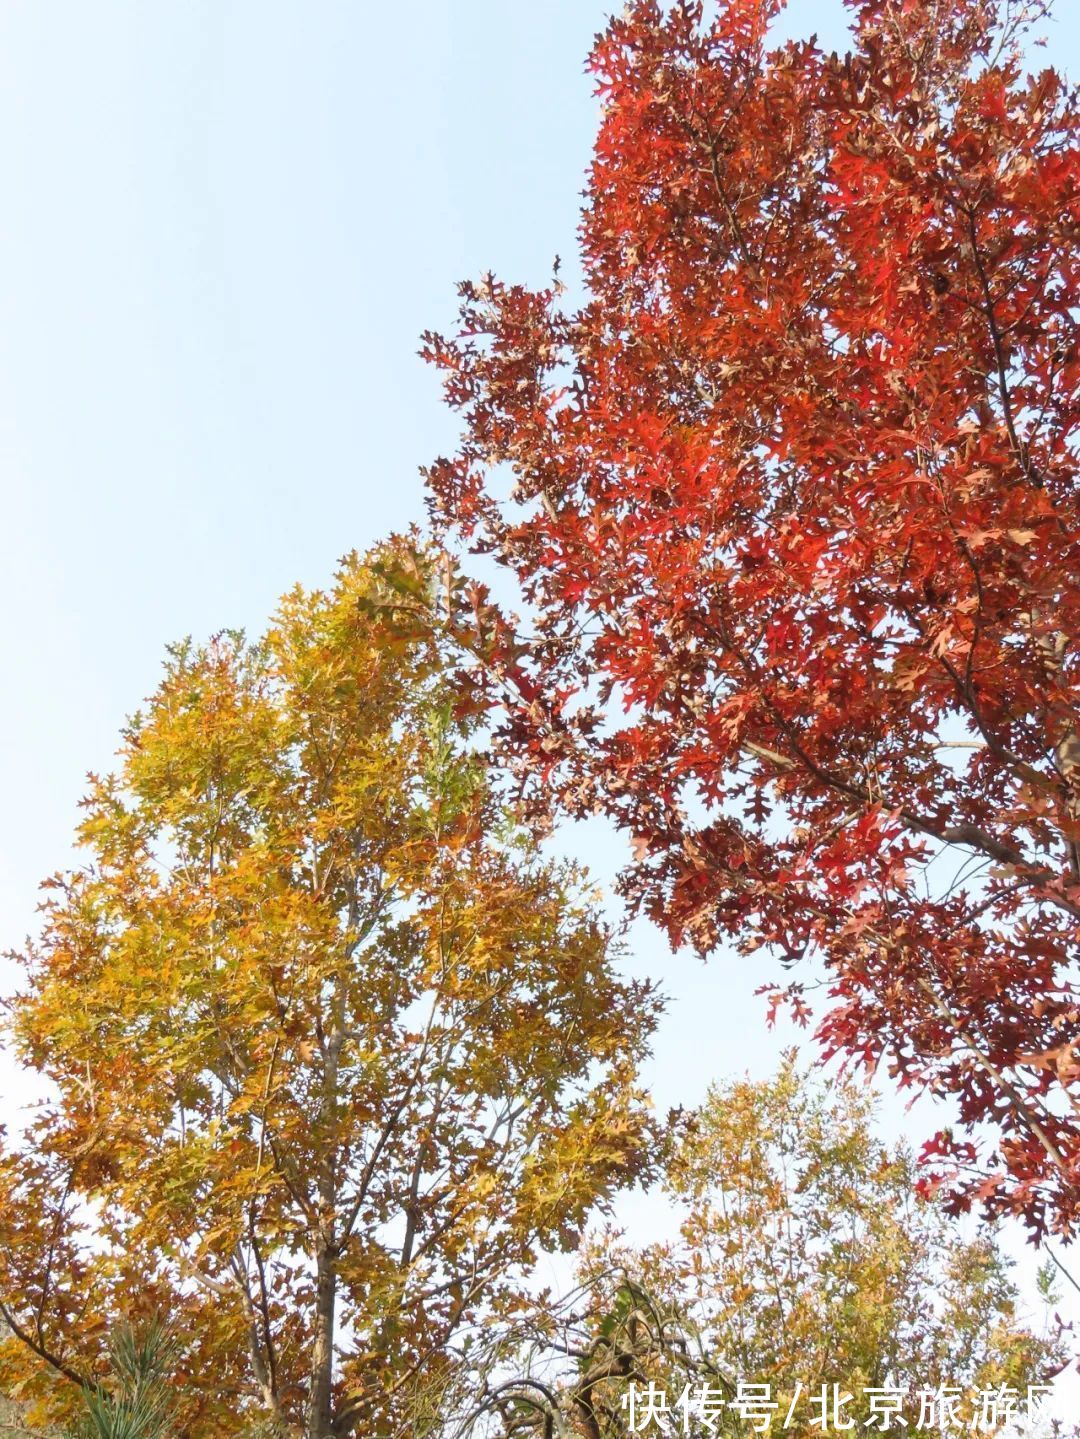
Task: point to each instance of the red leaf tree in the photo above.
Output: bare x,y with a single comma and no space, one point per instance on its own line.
796,485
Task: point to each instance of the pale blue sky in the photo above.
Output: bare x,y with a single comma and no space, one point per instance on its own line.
223,226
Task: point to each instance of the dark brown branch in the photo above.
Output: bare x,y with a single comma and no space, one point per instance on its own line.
42,1350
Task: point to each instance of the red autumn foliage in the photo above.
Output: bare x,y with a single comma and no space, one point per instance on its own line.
794,509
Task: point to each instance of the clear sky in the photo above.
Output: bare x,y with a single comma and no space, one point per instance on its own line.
224,225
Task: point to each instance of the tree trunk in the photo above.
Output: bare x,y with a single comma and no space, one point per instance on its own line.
320,1416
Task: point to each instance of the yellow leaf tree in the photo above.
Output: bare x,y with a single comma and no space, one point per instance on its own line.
331,1052
808,1290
